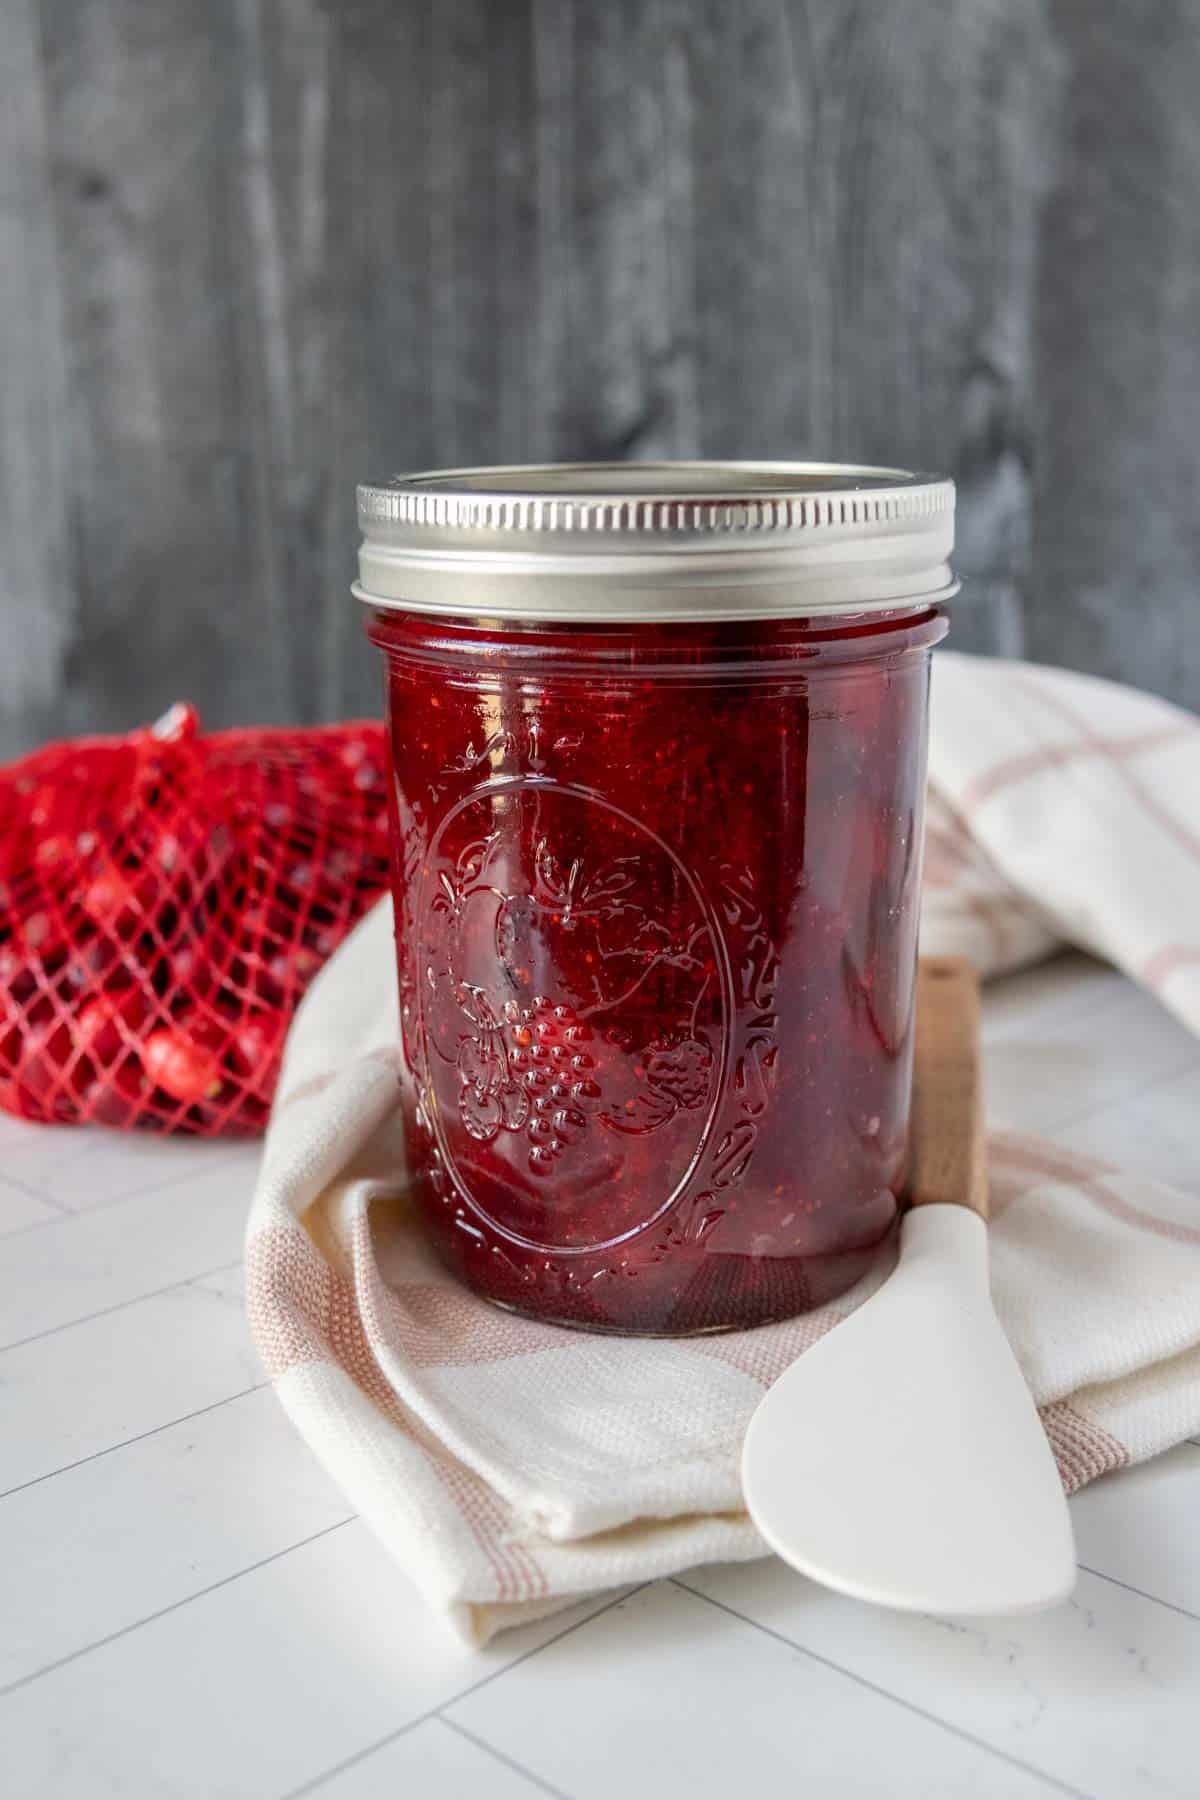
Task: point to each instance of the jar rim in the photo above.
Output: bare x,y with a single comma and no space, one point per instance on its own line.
668,541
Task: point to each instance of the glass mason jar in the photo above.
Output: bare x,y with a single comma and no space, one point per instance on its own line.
658,750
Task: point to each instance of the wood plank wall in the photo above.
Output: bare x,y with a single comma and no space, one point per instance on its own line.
251,250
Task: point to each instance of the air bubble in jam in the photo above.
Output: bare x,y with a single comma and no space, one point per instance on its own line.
665,935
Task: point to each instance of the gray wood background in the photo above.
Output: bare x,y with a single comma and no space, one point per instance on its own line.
252,250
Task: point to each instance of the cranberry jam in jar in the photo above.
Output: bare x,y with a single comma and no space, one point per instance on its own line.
658,756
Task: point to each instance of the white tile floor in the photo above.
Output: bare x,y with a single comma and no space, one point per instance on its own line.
187,1608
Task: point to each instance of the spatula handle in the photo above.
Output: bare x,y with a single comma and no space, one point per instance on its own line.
946,1137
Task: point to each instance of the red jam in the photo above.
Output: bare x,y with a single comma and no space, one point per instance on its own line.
656,903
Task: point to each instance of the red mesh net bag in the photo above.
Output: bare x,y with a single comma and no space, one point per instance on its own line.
165,898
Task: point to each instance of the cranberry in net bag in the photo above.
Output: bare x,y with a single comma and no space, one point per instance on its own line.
165,898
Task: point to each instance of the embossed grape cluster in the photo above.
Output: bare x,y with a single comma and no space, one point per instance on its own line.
548,1056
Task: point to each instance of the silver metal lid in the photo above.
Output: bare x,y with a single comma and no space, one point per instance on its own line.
615,542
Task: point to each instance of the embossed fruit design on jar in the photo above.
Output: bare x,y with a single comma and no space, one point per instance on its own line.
658,742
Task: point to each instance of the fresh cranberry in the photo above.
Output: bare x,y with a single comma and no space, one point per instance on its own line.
255,1047
118,1097
104,958
54,851
110,895
272,924
50,1072
295,968
39,933
17,979
180,1066
108,1023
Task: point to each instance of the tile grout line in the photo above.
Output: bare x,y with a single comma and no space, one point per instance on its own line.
175,1605
139,1437
85,1212
103,1312
352,1762
34,1193
491,1750
1155,1599
434,1712
827,1662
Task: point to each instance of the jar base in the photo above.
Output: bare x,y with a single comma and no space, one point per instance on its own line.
588,1329
800,1287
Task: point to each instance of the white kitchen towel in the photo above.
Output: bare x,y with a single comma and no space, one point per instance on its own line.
512,1466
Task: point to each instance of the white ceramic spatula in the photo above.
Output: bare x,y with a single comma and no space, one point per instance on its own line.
901,1459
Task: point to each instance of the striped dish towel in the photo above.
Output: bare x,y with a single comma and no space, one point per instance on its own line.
512,1466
